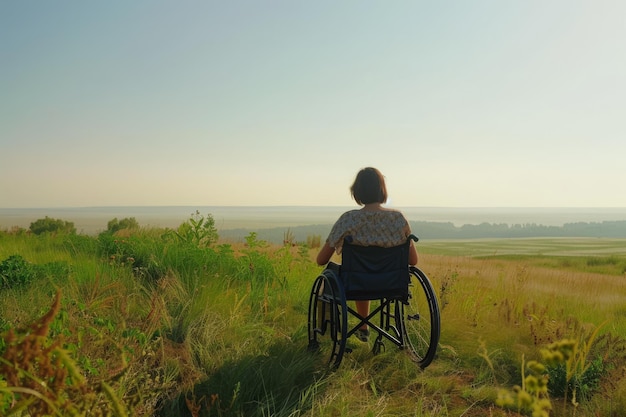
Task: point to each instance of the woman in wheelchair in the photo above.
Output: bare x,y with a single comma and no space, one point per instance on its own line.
372,225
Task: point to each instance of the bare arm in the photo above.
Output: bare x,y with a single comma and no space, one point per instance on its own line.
412,254
325,254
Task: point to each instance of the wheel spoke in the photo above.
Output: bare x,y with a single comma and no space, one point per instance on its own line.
421,324
327,321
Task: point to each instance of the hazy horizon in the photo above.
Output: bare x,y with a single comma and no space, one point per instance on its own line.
304,205
94,219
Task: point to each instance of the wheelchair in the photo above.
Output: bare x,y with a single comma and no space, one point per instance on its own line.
407,313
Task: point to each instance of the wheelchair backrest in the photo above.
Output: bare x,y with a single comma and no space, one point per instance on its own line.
373,272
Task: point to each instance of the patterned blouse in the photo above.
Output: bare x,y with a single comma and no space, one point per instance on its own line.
370,228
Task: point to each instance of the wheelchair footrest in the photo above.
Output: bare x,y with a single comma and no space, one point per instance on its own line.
379,346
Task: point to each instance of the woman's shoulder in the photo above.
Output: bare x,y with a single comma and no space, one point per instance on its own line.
350,213
347,217
392,212
393,216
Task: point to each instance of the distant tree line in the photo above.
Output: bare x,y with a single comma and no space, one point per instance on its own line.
446,230
203,228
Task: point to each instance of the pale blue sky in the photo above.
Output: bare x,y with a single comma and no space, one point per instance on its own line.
458,103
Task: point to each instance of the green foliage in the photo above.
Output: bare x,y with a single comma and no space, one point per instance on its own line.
42,379
49,225
260,268
579,386
112,247
16,271
565,371
162,326
532,396
80,245
603,260
141,252
288,238
270,384
5,399
575,374
126,223
54,269
253,242
14,230
199,230
313,241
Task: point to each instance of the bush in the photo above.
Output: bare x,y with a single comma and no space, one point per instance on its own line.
55,269
142,253
127,223
580,386
49,225
198,230
80,244
16,271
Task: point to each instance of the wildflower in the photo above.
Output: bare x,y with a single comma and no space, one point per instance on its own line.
524,399
505,399
541,408
536,367
532,384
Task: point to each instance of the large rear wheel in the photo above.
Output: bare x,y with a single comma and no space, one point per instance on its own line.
421,320
328,319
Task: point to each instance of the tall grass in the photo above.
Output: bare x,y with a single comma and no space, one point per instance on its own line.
173,328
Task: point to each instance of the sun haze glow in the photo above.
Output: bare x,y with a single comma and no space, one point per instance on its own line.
458,103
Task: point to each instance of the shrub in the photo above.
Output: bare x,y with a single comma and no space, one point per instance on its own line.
257,266
142,253
80,244
579,387
199,230
54,269
49,225
16,271
564,371
532,395
111,247
126,223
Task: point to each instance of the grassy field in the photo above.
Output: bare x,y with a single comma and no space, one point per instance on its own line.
148,324
534,247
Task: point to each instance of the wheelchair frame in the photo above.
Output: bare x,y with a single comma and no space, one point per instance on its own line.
408,311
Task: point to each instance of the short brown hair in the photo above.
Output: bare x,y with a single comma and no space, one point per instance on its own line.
369,187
